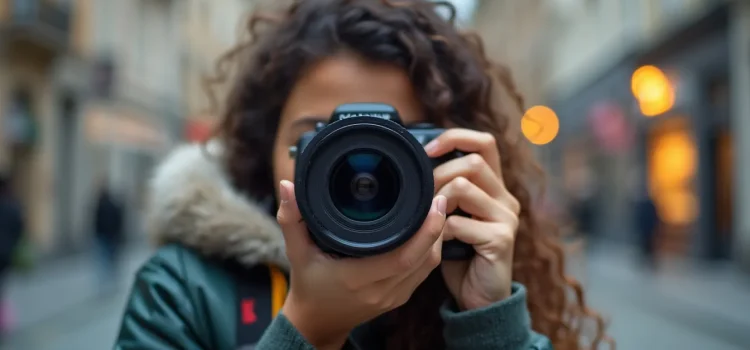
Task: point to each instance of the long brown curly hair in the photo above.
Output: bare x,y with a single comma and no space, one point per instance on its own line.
456,83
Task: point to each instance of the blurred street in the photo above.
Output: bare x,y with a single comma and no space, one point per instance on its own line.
678,308
60,306
637,111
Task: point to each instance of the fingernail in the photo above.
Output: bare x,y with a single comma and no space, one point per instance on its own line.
440,204
284,186
431,146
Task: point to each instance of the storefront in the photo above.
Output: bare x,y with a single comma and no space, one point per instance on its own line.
681,155
688,150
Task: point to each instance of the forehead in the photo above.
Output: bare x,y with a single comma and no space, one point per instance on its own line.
347,78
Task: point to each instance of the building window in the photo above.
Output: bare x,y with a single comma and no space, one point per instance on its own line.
19,126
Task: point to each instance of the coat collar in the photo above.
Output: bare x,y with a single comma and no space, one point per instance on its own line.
192,203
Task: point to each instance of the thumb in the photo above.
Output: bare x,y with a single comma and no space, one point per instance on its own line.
290,220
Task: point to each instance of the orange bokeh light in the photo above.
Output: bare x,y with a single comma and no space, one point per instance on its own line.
653,90
672,168
540,125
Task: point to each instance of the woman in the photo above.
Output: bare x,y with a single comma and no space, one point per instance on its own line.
215,204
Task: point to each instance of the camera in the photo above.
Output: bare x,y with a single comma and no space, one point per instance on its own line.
364,184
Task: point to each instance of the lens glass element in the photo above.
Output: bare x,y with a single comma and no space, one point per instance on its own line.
364,185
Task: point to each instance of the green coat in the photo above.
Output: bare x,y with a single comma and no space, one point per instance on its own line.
185,297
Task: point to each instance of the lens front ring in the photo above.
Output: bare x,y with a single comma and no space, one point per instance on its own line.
346,236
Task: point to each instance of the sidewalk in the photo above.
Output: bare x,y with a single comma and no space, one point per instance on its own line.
713,299
682,306
52,292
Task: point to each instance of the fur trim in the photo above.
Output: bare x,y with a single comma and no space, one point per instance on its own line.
192,203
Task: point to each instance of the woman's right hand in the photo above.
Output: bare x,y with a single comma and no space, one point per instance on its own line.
329,297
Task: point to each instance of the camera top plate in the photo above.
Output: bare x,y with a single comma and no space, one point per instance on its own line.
372,110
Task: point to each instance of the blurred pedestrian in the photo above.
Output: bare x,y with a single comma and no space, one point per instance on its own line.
648,224
583,208
108,230
11,230
582,188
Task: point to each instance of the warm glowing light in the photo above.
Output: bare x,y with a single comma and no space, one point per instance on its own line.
672,169
653,90
540,125
646,78
674,159
678,207
652,108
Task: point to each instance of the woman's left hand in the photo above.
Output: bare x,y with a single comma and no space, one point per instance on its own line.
474,183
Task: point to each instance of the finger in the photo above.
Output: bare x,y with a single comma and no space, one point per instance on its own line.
468,141
430,257
391,285
474,168
405,286
406,257
294,228
511,203
462,193
487,238
453,274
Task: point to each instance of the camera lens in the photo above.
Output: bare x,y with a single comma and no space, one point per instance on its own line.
364,185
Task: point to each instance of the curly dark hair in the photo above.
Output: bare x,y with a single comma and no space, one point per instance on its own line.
455,82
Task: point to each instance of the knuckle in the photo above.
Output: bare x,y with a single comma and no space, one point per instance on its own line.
511,201
504,241
451,224
461,184
475,162
488,139
515,205
435,258
451,132
372,300
514,223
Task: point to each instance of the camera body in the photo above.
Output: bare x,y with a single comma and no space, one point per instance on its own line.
364,184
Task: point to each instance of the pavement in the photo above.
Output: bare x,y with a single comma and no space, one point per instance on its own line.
680,306
61,306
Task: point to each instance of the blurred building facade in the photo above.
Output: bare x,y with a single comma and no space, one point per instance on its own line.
211,28
91,94
516,35
684,150
35,38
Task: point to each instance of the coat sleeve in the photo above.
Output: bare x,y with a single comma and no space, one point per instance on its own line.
281,334
159,313
504,325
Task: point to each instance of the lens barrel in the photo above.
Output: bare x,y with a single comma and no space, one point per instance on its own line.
364,186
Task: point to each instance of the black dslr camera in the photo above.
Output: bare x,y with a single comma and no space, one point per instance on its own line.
364,183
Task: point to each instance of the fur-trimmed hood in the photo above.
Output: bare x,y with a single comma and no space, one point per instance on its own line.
191,202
